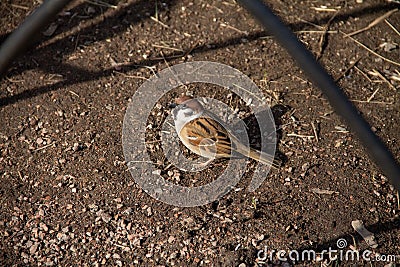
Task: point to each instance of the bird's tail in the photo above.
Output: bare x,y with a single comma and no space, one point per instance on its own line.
256,154
264,158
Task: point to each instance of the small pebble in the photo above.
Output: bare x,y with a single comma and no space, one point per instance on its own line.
33,248
75,147
171,239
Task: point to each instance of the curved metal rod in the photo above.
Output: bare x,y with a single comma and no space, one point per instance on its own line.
21,38
338,100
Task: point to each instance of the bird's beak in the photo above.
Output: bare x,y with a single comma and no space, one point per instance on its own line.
172,105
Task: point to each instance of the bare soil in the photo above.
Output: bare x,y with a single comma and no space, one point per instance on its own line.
67,198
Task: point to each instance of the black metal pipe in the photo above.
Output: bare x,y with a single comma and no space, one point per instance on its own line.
336,97
23,36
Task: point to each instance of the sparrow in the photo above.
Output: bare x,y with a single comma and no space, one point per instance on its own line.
202,133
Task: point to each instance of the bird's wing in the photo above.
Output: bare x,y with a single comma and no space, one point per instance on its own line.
208,136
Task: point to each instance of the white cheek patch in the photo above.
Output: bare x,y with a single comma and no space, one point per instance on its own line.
181,118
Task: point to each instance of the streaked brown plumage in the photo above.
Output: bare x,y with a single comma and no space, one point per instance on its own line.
200,131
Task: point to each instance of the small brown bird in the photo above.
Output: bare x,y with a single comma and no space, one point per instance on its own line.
200,131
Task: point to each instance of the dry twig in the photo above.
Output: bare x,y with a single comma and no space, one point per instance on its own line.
324,9
20,7
371,102
322,40
315,131
300,135
383,78
375,22
131,76
363,73
370,50
372,96
233,28
101,3
393,28
167,47
159,22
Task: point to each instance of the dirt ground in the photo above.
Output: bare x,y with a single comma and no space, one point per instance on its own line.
68,199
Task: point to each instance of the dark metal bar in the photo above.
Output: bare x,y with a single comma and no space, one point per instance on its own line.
338,100
23,36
